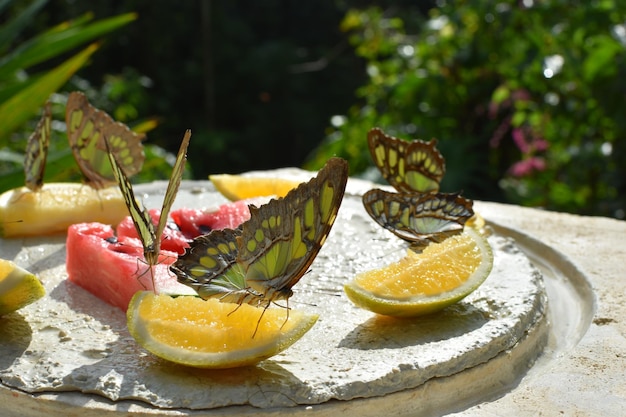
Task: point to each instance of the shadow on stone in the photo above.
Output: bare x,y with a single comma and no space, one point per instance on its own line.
382,332
15,337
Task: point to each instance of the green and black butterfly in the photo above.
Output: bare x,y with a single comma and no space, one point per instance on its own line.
419,218
149,235
37,151
86,129
259,262
418,213
409,167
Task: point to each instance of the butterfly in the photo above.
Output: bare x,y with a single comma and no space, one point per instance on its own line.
420,218
260,261
86,129
37,151
149,236
409,167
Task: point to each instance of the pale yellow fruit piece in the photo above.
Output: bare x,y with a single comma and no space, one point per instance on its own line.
239,187
56,206
18,287
422,283
211,334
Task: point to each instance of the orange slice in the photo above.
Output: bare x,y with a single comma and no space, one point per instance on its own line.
422,283
211,334
239,187
18,287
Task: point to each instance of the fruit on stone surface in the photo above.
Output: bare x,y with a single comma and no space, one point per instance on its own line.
56,206
172,239
18,287
422,283
112,269
238,187
111,265
195,222
212,334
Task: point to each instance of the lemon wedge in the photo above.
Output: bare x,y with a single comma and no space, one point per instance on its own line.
239,187
211,334
422,283
18,287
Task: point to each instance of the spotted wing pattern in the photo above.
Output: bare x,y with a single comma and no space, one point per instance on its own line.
262,260
149,235
409,167
419,218
37,151
86,129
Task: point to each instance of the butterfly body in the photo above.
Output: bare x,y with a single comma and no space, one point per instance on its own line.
37,151
261,261
87,128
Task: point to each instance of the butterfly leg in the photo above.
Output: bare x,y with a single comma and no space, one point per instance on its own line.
140,273
259,321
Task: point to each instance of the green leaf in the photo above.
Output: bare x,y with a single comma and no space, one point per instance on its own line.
10,31
25,104
500,94
57,41
601,58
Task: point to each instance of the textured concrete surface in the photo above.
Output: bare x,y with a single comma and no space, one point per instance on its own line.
587,378
580,373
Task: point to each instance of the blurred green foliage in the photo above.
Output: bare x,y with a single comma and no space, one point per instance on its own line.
32,69
526,97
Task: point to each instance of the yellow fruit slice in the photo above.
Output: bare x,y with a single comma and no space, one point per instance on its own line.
422,283
56,206
18,287
239,187
210,334
476,221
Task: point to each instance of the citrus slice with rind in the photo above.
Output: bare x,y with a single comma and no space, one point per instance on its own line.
18,287
239,187
56,206
211,334
422,283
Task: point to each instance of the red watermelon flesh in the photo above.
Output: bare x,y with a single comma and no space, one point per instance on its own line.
172,240
111,266
196,222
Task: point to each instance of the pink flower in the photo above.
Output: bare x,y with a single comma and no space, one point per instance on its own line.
520,140
528,166
540,144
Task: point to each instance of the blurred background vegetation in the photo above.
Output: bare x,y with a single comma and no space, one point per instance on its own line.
526,97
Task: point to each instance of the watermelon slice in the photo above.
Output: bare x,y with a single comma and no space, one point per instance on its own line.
172,240
196,222
111,265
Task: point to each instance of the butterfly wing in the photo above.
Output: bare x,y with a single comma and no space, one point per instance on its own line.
419,218
210,267
149,236
139,215
415,166
86,129
173,184
282,238
37,151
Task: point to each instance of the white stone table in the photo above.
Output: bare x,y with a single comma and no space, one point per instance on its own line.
589,379
582,372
